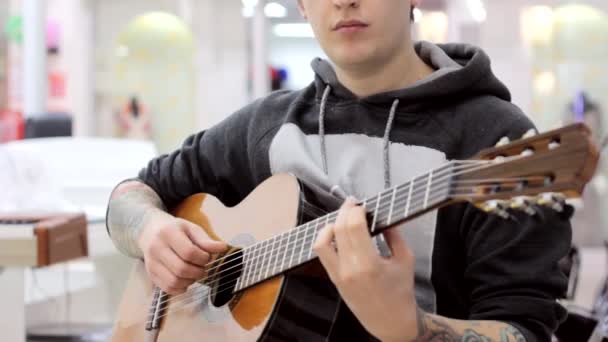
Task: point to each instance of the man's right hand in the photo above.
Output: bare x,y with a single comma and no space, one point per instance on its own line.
175,251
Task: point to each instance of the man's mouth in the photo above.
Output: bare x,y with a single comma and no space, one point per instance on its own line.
350,26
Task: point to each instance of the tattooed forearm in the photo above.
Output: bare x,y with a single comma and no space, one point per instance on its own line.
130,205
433,328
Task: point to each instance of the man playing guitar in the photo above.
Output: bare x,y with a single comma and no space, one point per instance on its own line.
383,111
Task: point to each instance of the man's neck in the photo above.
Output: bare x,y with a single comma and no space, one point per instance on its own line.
400,71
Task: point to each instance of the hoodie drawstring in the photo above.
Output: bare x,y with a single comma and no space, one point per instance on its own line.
322,128
387,154
386,140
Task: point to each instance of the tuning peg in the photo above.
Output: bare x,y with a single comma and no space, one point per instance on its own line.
523,203
554,144
552,200
503,141
499,159
496,207
530,133
527,152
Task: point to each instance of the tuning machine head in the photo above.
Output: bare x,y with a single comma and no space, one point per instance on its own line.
530,133
524,203
553,200
496,207
503,141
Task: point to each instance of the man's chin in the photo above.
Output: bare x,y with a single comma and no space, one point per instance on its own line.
353,58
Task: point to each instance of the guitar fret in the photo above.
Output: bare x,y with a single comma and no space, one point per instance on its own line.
263,256
428,188
280,252
245,267
409,197
392,205
276,247
239,280
262,261
248,255
376,213
250,264
285,249
314,237
269,255
317,229
297,230
304,242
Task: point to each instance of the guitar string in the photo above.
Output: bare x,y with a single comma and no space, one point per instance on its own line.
194,298
183,300
441,171
274,265
305,228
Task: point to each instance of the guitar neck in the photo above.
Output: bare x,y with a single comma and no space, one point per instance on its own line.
393,206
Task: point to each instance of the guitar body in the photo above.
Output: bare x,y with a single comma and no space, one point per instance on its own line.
300,305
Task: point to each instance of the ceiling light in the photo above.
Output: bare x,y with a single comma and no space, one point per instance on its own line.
249,3
537,25
275,10
247,12
477,9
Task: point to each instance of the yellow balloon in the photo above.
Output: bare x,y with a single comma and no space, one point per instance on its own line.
580,32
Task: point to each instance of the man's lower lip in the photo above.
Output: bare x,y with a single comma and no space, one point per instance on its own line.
351,29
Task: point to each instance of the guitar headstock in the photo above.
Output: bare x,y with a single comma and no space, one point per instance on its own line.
537,169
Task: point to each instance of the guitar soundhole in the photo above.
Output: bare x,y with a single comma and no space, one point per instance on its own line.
225,279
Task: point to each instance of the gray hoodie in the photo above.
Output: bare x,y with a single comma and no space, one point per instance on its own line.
469,265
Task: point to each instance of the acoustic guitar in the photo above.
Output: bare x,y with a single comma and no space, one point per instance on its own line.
270,286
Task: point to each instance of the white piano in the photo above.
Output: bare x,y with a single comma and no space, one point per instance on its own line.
59,264
42,240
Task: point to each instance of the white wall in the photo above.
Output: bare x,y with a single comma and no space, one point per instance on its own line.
76,55
501,39
221,59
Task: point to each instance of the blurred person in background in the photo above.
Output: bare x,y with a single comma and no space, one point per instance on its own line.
134,120
587,226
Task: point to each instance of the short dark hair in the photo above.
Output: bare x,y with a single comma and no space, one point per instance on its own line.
412,13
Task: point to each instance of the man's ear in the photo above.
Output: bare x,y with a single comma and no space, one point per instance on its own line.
302,9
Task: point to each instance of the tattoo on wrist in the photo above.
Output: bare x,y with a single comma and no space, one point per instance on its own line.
127,213
432,328
420,320
510,333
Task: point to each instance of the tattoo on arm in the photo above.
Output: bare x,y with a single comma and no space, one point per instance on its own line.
129,207
433,328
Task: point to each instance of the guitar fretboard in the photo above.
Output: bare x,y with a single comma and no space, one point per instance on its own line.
268,258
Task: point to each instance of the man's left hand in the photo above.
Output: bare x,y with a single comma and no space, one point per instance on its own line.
378,290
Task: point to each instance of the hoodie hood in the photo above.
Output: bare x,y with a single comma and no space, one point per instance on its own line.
461,70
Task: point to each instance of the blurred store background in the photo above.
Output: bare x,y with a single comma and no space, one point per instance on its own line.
92,89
